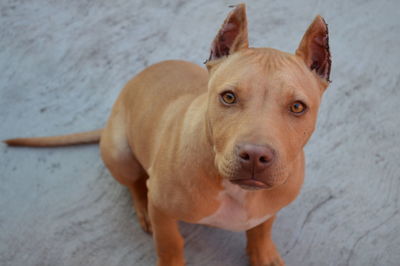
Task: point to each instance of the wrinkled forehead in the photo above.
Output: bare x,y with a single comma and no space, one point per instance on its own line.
267,68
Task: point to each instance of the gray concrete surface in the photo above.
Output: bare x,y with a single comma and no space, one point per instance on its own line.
62,64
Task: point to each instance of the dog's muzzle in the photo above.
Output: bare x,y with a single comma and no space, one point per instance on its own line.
254,161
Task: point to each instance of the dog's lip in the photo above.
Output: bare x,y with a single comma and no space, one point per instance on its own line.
250,182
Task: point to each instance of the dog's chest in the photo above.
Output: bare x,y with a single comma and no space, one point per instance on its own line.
233,213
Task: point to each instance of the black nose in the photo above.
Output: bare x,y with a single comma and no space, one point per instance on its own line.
257,157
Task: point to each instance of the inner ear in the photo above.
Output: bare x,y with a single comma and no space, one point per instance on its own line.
314,48
232,35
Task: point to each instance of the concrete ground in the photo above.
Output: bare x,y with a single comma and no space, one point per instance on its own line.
62,64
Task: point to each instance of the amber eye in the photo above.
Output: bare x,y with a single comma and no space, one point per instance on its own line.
228,97
297,107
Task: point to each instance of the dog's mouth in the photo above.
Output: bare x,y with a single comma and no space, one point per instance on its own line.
251,184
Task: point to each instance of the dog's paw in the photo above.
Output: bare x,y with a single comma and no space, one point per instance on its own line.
275,262
270,258
145,223
278,261
143,218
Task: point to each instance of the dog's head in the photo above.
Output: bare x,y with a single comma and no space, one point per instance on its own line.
263,103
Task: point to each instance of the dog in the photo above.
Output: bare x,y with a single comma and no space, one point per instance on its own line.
220,146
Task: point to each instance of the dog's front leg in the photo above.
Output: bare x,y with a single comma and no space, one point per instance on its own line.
167,239
260,247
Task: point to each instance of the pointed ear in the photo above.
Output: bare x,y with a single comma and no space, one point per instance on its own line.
314,48
232,35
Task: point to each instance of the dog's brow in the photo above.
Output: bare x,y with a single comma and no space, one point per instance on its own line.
229,86
296,95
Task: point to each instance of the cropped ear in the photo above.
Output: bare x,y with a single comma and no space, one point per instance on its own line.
314,48
232,35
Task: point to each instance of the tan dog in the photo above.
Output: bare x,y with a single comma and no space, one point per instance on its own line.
222,147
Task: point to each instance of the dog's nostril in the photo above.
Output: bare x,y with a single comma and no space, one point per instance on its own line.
263,159
259,156
245,156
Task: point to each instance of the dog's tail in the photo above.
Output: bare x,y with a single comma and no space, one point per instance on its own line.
64,140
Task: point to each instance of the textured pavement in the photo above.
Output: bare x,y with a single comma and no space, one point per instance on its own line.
62,64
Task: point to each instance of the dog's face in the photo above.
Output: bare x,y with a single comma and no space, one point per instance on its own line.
263,103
